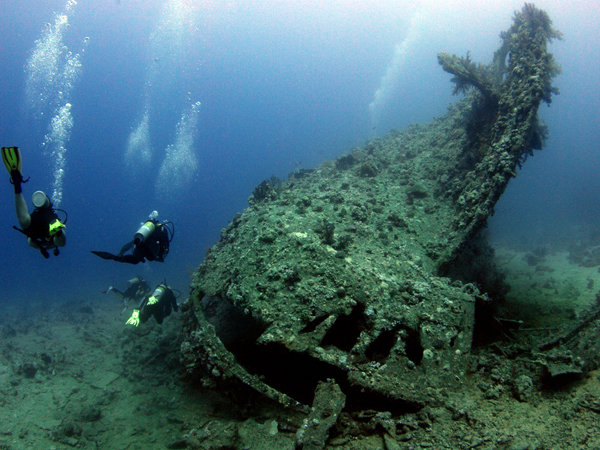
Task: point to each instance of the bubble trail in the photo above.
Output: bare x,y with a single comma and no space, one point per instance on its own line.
51,73
180,163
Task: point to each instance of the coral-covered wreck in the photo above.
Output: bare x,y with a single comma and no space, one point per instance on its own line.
343,282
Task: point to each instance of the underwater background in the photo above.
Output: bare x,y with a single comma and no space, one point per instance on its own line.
122,107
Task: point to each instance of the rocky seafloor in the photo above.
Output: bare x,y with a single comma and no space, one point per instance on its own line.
72,375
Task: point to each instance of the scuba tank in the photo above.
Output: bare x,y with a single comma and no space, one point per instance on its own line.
143,232
156,296
40,200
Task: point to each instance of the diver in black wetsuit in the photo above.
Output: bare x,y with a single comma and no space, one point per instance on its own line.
160,304
150,242
44,230
137,288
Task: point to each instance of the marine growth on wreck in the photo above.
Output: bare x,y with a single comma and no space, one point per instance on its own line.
335,282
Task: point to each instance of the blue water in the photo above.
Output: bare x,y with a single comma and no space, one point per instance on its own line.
282,85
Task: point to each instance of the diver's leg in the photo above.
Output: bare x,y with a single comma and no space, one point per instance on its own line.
118,292
60,239
123,258
16,179
11,157
21,207
34,244
125,248
131,259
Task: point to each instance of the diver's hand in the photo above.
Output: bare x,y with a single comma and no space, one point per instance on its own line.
134,319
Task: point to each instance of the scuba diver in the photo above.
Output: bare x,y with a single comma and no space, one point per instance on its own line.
159,305
137,288
151,241
43,228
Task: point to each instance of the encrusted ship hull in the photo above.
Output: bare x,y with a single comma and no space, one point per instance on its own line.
340,273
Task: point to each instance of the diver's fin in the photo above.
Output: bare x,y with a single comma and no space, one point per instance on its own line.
11,157
130,259
104,255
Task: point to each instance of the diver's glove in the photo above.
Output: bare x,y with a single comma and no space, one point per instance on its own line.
55,228
134,319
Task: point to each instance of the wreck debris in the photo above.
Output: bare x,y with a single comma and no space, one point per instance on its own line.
591,317
467,74
328,403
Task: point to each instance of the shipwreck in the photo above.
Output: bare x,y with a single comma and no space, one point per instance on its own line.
352,282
